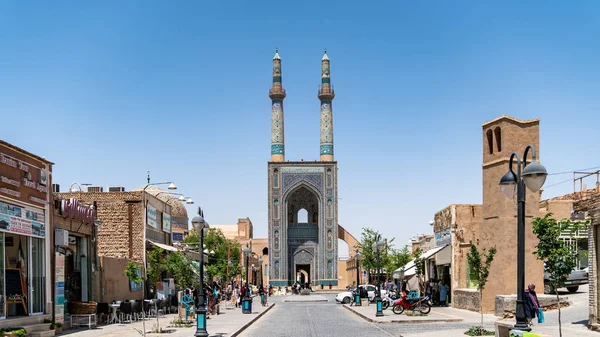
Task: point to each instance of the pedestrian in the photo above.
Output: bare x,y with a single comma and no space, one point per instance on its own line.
532,305
443,293
428,289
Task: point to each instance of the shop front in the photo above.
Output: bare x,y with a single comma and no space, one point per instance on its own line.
74,228
24,258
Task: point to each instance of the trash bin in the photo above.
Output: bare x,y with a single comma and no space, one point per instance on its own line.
321,285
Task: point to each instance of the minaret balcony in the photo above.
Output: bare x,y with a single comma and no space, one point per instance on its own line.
277,93
326,92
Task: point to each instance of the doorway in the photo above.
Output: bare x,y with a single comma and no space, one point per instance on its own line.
303,273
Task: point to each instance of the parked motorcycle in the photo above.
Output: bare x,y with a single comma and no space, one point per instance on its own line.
404,303
388,300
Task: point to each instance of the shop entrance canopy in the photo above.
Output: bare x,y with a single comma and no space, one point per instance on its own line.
409,269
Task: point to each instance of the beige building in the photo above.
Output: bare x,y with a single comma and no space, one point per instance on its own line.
243,233
491,224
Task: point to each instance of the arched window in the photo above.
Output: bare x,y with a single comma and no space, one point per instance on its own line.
303,216
265,251
275,178
498,135
276,239
329,239
490,141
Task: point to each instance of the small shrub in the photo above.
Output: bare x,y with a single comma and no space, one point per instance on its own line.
479,331
47,320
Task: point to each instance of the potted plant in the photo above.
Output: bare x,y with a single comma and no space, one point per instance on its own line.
56,326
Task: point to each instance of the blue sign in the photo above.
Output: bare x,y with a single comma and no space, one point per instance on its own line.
177,236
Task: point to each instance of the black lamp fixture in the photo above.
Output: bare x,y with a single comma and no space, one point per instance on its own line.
533,175
357,301
247,300
200,226
377,248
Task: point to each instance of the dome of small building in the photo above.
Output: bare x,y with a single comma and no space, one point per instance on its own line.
177,207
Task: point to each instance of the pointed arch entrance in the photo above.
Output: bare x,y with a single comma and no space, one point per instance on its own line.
303,232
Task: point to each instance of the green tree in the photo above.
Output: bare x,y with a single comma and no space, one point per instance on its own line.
181,268
155,266
481,269
368,258
397,258
559,259
419,267
224,250
132,271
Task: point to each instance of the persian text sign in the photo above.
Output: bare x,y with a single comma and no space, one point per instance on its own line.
151,216
443,238
166,223
21,220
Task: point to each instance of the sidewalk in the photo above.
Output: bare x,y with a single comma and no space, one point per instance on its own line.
229,323
435,316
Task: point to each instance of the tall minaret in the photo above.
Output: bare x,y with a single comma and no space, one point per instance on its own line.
277,94
326,95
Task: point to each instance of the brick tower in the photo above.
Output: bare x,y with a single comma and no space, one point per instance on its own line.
501,137
277,94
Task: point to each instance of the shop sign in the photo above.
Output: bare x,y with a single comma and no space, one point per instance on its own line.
151,216
21,220
72,209
166,223
178,237
59,308
443,238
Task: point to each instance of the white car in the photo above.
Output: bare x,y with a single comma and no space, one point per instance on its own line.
346,296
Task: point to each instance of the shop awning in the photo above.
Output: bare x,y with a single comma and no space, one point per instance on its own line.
195,256
409,268
163,246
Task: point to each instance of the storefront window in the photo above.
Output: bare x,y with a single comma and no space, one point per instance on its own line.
2,297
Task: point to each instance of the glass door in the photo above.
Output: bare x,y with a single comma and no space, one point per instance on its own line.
37,277
2,291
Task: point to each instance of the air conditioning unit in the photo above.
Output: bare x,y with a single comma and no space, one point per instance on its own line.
61,237
95,189
116,189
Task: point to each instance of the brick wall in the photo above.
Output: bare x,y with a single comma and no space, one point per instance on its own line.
122,232
591,205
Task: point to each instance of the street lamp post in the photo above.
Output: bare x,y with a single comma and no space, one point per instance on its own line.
377,247
357,301
260,261
247,300
200,225
533,175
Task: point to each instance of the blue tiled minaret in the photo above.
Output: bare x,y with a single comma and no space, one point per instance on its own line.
326,95
277,94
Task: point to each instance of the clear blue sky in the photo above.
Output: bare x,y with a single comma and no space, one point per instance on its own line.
181,89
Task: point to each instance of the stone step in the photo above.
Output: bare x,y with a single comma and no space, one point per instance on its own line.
47,333
37,327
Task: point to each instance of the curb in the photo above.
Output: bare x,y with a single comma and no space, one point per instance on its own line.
311,301
368,319
240,330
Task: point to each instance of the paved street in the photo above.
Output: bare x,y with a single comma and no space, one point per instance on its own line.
312,319
331,319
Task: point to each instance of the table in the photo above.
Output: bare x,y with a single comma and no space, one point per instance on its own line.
113,314
83,320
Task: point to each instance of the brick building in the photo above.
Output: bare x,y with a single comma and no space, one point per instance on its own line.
132,223
74,252
589,203
25,254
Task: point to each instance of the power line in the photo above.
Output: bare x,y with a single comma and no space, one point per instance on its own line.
565,172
